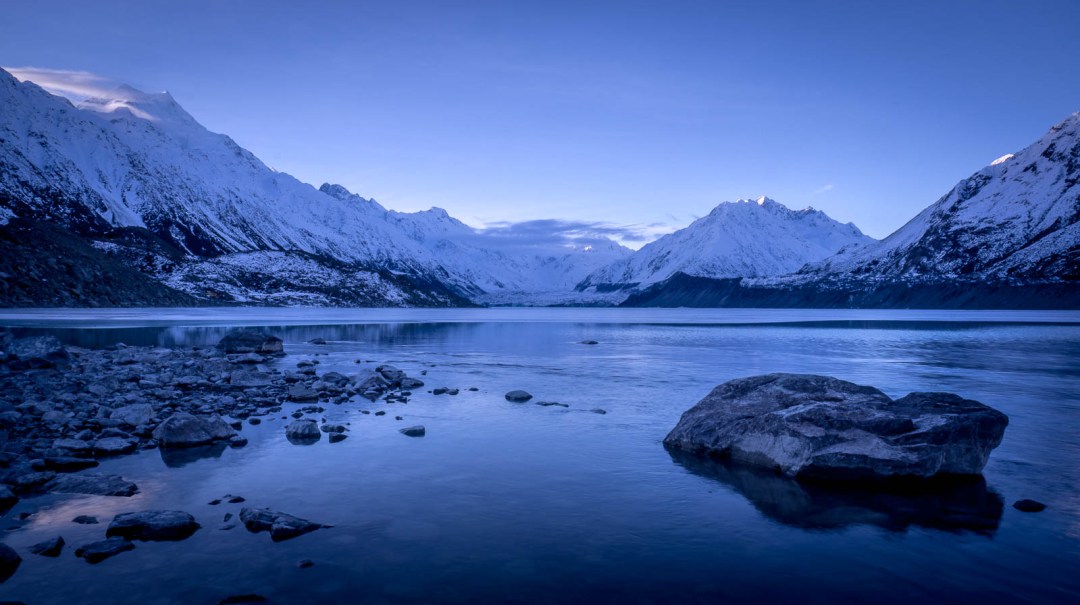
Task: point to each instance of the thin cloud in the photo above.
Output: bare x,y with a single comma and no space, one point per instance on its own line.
824,189
547,233
76,86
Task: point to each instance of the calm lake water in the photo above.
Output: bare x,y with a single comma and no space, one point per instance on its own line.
504,502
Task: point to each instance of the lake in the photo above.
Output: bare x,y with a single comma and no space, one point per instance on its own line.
504,502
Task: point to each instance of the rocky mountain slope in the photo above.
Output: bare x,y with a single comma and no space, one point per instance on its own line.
747,238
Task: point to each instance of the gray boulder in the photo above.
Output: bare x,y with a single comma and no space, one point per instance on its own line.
133,415
49,548
303,431
280,525
114,446
818,427
184,430
251,341
153,525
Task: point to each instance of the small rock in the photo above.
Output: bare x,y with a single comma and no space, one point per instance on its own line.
302,394
518,396
305,563
96,552
589,342
67,464
303,432
317,341
413,431
236,499
441,391
9,562
135,414
280,525
551,403
49,548
7,498
598,411
251,341
338,437
85,520
242,598
1029,506
153,525
185,430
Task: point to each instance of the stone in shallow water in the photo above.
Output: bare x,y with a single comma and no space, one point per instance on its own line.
185,430
281,526
96,552
153,525
1029,506
808,426
518,396
49,548
413,431
303,432
251,341
95,485
9,562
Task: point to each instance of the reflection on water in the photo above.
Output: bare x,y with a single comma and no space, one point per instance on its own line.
176,457
951,506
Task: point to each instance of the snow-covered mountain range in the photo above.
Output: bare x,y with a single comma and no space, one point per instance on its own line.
1008,236
123,198
138,176
747,238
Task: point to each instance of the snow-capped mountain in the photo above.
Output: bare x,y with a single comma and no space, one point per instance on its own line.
1006,237
747,238
141,178
1019,217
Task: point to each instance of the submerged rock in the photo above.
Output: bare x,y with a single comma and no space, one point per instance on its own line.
1029,506
94,485
96,552
413,431
153,525
251,341
185,430
808,426
518,396
280,525
9,561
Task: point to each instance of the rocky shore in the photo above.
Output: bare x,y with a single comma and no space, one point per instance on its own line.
64,408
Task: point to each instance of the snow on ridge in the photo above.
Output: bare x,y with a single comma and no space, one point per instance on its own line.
746,238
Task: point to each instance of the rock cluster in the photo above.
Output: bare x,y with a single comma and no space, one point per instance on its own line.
817,427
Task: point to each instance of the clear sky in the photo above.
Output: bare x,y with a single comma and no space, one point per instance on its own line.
642,113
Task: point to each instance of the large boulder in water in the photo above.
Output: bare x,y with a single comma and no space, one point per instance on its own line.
251,341
818,427
185,430
303,432
281,526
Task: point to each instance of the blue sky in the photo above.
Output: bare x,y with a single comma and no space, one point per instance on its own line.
643,113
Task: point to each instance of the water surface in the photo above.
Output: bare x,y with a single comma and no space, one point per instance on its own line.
523,503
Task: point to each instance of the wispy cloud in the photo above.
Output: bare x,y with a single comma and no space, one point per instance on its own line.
824,189
75,85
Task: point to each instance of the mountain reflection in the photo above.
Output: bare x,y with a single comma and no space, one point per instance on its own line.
961,505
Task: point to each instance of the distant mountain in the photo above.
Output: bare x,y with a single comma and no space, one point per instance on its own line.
138,179
1018,218
1007,236
747,238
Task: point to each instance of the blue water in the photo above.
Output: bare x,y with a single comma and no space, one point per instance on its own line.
504,502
